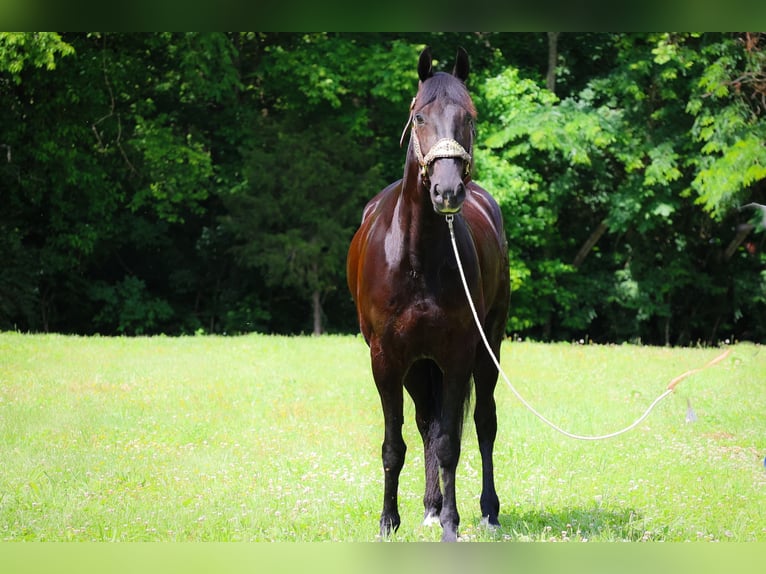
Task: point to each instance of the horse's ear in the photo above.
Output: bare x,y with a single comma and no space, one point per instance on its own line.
462,67
425,70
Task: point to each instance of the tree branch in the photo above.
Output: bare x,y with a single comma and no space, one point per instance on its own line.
111,113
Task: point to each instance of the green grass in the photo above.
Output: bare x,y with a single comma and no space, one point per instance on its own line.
262,438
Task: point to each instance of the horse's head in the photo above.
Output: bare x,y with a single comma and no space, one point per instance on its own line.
443,117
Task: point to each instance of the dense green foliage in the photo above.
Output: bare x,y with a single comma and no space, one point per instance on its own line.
179,183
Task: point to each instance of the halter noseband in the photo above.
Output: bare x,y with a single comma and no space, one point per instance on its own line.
445,147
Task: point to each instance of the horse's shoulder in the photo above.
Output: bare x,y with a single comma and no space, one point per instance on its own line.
384,201
483,210
483,198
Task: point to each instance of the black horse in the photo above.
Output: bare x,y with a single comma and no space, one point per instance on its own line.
412,308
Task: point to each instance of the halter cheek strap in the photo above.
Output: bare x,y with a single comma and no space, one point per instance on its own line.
409,121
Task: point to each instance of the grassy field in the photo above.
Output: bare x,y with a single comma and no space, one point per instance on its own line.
262,438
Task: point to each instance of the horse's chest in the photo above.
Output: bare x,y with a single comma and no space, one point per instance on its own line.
418,314
422,311
413,295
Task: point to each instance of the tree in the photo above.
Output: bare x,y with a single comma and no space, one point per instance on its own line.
728,105
110,164
21,50
177,183
291,217
605,235
312,164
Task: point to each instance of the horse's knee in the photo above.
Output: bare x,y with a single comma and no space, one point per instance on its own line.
485,419
393,453
486,430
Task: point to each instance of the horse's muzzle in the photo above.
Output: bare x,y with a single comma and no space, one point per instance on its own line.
447,187
447,200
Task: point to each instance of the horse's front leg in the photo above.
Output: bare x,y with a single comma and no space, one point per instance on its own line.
389,383
485,417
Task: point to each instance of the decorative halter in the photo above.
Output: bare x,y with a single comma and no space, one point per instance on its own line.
445,147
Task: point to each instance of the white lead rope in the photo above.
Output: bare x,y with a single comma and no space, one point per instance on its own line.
534,411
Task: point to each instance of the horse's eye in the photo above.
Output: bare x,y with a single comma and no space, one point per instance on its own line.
419,119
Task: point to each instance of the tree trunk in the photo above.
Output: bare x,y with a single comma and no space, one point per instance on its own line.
589,243
742,232
553,57
317,305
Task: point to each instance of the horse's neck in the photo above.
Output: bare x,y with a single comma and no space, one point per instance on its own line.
415,222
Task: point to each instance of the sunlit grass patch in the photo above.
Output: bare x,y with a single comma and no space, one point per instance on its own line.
262,438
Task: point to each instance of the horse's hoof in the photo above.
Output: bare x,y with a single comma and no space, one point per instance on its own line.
491,524
431,519
449,535
388,526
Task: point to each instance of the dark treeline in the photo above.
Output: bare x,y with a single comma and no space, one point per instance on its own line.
181,183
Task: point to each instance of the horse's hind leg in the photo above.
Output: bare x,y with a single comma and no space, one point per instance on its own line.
448,448
485,418
424,385
390,389
432,499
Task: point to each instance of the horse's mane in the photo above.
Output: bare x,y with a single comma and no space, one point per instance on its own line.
445,86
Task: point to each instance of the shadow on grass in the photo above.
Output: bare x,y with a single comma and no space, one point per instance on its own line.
575,524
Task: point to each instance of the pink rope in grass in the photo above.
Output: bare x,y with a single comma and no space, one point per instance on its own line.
668,391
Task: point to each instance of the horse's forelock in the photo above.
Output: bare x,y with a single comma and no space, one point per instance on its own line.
445,86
